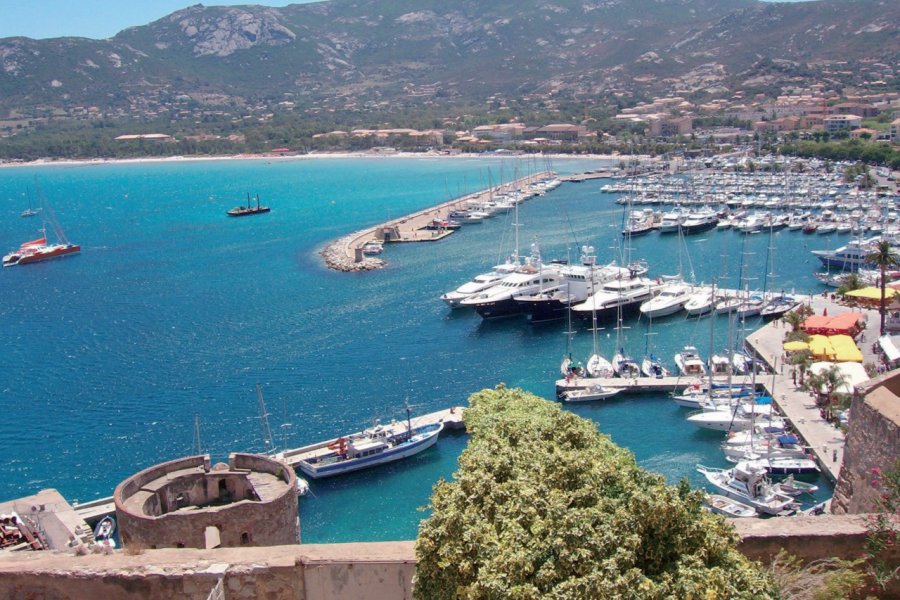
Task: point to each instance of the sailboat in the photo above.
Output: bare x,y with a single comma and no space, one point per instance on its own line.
30,211
243,211
40,249
622,364
269,439
651,366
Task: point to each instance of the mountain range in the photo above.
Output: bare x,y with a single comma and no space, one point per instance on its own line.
364,52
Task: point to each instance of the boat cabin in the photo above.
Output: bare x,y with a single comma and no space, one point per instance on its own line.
366,447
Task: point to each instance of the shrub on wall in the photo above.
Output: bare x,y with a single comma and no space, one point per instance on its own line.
544,506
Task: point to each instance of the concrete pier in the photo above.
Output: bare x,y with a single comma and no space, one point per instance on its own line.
642,385
345,254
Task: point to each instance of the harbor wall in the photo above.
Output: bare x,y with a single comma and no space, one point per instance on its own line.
873,445
359,571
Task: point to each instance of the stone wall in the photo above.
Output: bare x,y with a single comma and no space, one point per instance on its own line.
369,571
375,571
873,444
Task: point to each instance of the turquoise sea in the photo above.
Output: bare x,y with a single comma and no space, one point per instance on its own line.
173,310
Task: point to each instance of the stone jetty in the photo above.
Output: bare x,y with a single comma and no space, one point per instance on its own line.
345,254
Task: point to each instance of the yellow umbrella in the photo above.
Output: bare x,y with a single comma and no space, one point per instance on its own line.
820,346
795,346
871,293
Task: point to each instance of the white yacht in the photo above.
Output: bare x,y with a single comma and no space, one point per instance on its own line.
701,302
670,300
671,221
499,300
699,221
748,483
740,418
629,293
479,283
578,282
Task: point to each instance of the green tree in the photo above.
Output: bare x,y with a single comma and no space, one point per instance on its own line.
544,506
851,282
884,257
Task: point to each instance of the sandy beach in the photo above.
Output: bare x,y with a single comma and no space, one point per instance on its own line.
309,156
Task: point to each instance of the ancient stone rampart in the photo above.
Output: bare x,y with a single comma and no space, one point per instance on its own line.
367,571
873,445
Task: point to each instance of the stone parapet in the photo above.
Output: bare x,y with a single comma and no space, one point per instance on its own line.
873,445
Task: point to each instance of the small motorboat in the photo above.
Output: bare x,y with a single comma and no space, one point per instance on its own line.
791,486
725,506
594,392
302,487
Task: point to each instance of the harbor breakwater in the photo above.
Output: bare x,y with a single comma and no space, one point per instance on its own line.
345,254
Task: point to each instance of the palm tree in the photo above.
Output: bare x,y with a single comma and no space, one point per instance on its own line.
883,256
794,319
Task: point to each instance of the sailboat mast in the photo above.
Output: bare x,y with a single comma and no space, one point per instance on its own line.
268,442
197,434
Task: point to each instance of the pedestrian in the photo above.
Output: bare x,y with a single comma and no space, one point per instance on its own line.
794,376
834,455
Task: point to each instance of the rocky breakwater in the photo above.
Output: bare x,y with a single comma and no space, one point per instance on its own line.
339,256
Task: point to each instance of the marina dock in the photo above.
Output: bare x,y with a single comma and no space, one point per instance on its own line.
346,254
798,405
641,385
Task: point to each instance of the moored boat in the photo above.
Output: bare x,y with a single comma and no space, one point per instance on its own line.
588,394
748,484
243,211
728,507
374,446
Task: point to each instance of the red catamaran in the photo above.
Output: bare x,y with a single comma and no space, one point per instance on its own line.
39,250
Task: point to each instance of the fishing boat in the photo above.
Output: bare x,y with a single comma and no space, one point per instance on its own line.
376,445
723,505
40,249
748,484
243,211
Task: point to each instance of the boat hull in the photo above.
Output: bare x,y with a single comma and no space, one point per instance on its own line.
41,255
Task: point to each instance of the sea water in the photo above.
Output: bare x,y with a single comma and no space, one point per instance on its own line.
174,310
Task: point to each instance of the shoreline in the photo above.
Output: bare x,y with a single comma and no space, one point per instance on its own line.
66,162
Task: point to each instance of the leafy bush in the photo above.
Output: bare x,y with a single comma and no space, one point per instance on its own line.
544,506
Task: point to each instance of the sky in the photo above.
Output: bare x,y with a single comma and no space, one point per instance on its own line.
98,19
